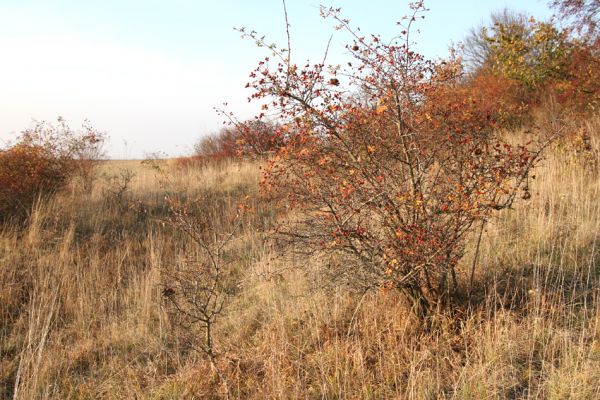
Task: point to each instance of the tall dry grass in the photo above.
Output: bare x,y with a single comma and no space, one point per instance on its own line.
83,315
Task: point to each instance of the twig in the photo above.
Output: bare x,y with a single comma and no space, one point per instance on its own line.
475,257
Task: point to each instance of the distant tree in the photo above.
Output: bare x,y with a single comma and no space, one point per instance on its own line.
520,48
477,51
533,56
542,59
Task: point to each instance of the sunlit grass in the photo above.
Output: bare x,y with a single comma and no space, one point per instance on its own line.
82,312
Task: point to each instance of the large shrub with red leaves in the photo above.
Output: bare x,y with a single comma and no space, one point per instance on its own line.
41,161
390,163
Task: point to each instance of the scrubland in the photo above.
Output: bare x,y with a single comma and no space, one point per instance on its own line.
84,313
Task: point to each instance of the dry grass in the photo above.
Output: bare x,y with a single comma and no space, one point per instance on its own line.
82,316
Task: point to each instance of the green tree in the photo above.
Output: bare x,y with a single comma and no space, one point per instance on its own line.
532,52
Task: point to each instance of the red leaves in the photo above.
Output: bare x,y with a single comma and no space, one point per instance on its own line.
483,103
42,161
250,138
399,170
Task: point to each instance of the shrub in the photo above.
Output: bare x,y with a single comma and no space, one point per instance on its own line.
478,102
387,182
579,88
41,161
249,138
223,144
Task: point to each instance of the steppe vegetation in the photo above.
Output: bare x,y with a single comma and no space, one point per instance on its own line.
433,234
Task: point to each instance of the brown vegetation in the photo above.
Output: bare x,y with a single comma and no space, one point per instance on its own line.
248,139
42,160
155,281
84,313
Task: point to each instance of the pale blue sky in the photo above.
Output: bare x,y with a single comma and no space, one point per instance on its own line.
149,72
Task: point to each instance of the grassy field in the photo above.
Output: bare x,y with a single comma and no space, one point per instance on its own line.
83,313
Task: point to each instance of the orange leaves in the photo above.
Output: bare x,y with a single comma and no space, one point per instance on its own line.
41,162
482,103
580,91
381,109
391,177
545,59
346,189
249,138
324,161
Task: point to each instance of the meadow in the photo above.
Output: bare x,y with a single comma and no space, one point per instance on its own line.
395,228
84,311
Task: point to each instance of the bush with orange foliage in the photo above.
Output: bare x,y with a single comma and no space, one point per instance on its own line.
481,100
249,138
388,175
254,138
223,144
42,160
579,88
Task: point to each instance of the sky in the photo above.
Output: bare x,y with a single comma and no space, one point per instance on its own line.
149,73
